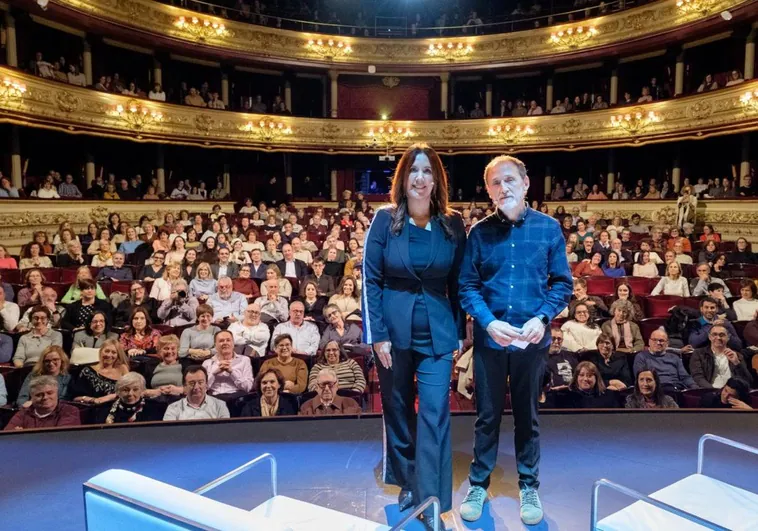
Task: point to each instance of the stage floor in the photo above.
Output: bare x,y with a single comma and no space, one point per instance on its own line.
337,463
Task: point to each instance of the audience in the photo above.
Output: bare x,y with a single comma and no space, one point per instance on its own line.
293,370
327,401
648,393
45,410
270,399
666,364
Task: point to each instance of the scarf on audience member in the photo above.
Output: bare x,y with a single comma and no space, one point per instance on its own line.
269,410
121,412
628,341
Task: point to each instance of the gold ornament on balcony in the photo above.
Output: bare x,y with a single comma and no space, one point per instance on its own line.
201,29
387,136
635,121
694,6
749,100
136,115
11,91
450,50
573,37
329,48
266,129
510,133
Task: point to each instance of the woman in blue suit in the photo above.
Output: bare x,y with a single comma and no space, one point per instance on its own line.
411,317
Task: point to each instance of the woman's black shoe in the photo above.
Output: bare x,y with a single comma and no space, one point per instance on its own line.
405,500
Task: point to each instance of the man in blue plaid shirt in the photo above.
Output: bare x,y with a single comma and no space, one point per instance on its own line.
514,280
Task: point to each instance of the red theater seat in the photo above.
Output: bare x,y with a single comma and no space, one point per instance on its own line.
648,326
640,285
658,306
11,276
691,397
600,285
734,285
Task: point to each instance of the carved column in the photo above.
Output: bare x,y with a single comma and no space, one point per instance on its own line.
11,53
333,185
157,72
87,63
749,71
444,93
16,170
160,168
333,75
89,170
745,159
676,174
679,74
549,95
288,95
488,100
288,186
225,89
614,95
548,183
610,181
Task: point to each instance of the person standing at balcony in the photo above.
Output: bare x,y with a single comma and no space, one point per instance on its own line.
514,280
534,109
412,255
477,112
157,93
708,84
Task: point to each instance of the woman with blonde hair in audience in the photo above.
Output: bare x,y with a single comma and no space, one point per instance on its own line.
131,242
58,238
273,273
104,257
198,342
34,256
32,293
348,299
177,252
648,393
203,285
53,362
644,267
673,283
238,255
96,384
166,379
6,260
271,254
161,289
140,338
270,400
74,292
103,235
622,328
148,234
130,404
349,374
580,333
746,306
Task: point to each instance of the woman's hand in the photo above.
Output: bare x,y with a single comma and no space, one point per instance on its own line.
383,351
616,385
738,404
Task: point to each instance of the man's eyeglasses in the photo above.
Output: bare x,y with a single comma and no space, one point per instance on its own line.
658,340
719,335
326,385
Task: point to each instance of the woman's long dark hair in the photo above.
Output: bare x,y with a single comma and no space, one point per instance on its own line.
439,208
657,395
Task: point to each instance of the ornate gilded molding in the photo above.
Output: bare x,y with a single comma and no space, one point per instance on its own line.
77,110
147,16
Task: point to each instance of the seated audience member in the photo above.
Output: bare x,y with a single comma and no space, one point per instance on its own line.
273,307
699,335
648,393
289,266
73,256
131,404
274,273
348,299
680,255
587,390
324,282
32,344
327,401
224,267
746,306
245,284
713,365
197,403
130,243
103,237
9,313
140,338
33,256
612,267
299,252
673,283
342,332
229,374
153,271
709,254
137,297
570,254
161,288
104,257
228,305
271,255
95,333
31,295
166,377
54,363
203,285
716,291
624,292
270,399
250,331
742,254
560,362
180,308
293,369
676,238
117,271
586,247
590,267
96,384
6,288
198,341
580,333
313,303
595,304
734,395
6,260
349,373
333,265
45,411
189,265
667,364
74,292
621,327
611,364
304,335
699,285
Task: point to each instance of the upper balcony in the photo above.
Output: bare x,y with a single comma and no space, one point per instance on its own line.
634,30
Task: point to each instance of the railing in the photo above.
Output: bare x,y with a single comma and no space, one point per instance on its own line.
374,27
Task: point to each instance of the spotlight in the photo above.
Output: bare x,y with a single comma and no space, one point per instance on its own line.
43,4
726,15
